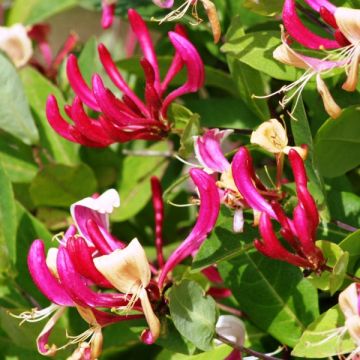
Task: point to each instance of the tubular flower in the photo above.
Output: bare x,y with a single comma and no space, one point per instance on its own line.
178,13
129,118
345,25
208,152
16,43
350,306
108,13
300,232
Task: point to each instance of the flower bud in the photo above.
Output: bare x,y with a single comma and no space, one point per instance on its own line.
331,107
15,42
231,328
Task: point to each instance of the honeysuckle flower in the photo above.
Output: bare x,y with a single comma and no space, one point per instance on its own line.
108,13
208,152
299,232
345,26
179,12
16,44
129,118
232,329
208,214
350,306
271,136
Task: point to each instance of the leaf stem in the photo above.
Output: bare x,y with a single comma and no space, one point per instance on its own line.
246,350
347,275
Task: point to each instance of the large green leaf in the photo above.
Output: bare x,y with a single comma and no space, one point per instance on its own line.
264,7
37,89
193,313
337,143
256,50
35,11
273,294
15,116
351,244
62,185
134,185
8,223
322,338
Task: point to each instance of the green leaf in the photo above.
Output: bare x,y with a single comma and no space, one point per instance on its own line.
62,185
302,135
265,7
345,207
219,353
179,116
333,254
134,185
273,294
339,272
15,116
193,313
35,11
37,90
250,82
223,244
322,338
89,62
337,143
351,244
17,159
8,223
256,49
191,129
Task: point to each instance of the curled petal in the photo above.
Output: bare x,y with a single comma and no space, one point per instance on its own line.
42,340
331,107
349,23
142,33
242,170
208,150
208,213
77,287
78,83
349,301
98,210
194,65
117,79
302,34
43,278
272,247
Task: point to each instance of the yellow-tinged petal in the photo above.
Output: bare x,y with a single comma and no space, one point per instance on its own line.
151,318
348,301
51,261
353,326
271,136
353,71
348,21
212,15
287,56
15,42
331,107
302,152
126,269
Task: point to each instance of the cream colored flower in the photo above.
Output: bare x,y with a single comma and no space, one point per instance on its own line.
129,272
15,42
271,136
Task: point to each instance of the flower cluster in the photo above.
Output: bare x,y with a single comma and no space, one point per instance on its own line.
129,118
345,46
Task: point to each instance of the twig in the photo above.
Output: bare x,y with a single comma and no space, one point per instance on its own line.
344,226
230,309
347,275
148,153
313,18
246,350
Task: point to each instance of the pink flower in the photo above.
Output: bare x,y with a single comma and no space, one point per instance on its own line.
300,232
129,118
108,13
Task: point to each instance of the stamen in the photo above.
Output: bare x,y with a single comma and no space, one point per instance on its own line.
187,162
175,14
59,238
35,315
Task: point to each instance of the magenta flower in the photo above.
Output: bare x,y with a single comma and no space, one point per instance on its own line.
108,13
300,232
129,118
209,153
208,213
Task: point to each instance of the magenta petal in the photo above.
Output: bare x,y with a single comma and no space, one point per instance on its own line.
302,34
78,83
108,13
303,230
208,150
208,213
76,286
142,33
43,277
166,4
317,4
194,65
242,170
104,318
